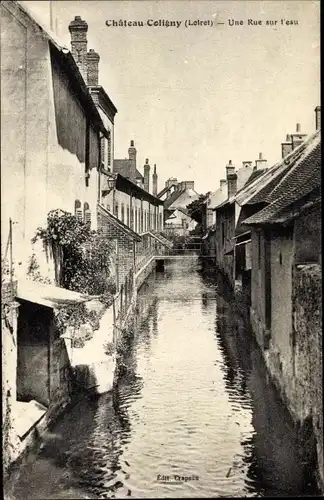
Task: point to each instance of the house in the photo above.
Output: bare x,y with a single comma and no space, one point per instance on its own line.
51,133
50,156
88,64
286,285
177,196
131,204
128,168
179,222
227,214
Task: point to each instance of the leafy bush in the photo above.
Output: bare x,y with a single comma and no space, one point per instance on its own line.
82,257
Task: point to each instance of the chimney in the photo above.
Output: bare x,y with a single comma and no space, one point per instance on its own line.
92,67
286,147
298,138
147,176
247,164
154,181
260,162
132,156
189,185
231,178
78,29
222,184
318,117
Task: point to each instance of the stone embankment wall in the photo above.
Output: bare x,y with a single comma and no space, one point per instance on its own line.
301,387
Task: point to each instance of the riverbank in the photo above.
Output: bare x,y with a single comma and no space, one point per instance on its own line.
193,399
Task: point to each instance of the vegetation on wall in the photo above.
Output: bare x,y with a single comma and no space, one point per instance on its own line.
33,271
82,257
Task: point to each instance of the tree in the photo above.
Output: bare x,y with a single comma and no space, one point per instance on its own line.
196,207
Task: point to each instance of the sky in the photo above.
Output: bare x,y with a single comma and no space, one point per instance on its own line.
193,98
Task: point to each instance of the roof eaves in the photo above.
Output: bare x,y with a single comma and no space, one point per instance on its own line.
67,62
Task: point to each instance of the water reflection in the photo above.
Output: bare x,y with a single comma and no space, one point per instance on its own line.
192,399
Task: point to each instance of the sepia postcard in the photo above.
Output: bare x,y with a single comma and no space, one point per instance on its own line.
161,249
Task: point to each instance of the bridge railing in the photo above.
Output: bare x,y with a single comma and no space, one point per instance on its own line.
189,249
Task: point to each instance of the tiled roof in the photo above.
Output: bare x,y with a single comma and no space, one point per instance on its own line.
303,178
296,209
276,210
258,190
122,167
255,174
172,198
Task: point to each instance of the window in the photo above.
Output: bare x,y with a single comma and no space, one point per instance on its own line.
116,210
102,151
160,221
127,221
122,213
86,214
78,210
109,149
135,219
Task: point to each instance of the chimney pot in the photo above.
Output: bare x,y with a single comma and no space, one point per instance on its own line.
146,161
298,127
132,144
260,156
230,162
288,138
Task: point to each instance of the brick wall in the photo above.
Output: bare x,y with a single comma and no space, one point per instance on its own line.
125,251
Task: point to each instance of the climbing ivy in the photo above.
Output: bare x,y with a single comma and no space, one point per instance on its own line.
82,257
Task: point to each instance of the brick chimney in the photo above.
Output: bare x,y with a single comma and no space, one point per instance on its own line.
286,147
298,138
260,162
147,176
222,184
154,181
318,117
132,156
78,29
231,178
92,67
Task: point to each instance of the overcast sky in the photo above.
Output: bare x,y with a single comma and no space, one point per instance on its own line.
193,98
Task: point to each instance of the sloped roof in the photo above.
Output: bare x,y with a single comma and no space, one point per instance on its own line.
185,198
139,175
172,198
67,63
217,197
303,178
164,190
258,190
48,295
118,223
183,210
296,209
122,167
244,175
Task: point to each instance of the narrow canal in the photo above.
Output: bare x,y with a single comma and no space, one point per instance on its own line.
192,416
